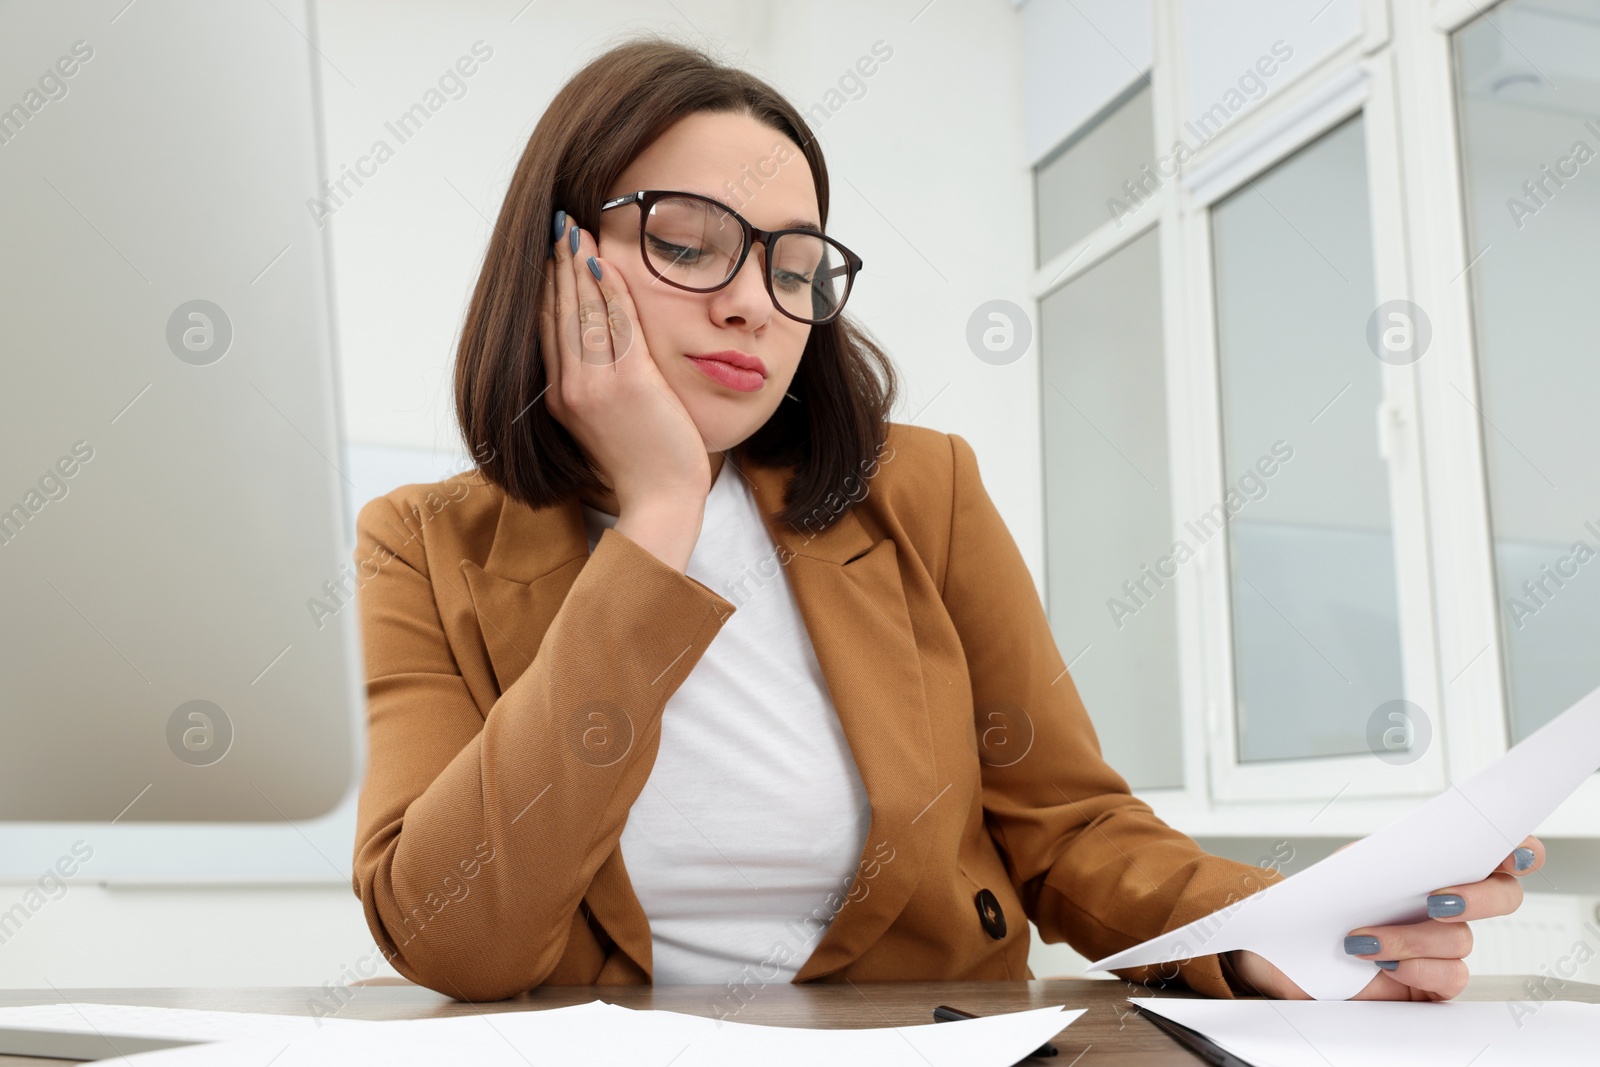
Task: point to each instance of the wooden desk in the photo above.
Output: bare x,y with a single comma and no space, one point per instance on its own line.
1107,1033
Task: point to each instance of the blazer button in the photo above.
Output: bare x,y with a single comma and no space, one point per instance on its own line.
989,913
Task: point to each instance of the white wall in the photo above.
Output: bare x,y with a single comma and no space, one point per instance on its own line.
918,155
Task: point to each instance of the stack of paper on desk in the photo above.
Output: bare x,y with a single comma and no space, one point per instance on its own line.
597,1033
1378,1033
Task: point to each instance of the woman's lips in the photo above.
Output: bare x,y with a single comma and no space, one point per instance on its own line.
746,381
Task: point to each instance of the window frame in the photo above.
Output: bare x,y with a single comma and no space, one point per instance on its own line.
1472,653
1399,74
1061,270
1362,88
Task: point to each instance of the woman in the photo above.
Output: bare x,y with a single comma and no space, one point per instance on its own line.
710,673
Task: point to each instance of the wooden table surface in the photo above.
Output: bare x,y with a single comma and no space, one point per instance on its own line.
1107,1033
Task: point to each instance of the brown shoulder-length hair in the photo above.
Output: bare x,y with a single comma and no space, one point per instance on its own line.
832,430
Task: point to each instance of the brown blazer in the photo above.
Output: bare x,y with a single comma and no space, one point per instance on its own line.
515,691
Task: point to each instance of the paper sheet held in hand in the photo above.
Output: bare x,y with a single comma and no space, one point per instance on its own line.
1456,838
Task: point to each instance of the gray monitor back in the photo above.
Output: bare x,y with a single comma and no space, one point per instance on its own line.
179,640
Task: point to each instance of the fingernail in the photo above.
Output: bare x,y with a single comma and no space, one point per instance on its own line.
1444,905
560,227
1523,857
1387,965
1357,945
594,268
575,232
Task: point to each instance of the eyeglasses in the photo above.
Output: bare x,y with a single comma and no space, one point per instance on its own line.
696,243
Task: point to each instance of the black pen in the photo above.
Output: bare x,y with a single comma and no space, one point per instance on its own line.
1193,1040
943,1014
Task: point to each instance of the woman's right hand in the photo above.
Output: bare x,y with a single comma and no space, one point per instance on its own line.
605,388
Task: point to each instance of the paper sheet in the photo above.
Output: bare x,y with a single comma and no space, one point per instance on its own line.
105,1029
606,1033
1378,1033
1456,838
143,1021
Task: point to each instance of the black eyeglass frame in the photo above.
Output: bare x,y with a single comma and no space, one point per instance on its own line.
646,199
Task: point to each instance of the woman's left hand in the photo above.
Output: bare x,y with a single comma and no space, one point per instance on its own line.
1420,961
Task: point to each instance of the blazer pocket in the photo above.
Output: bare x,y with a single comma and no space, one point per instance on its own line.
872,551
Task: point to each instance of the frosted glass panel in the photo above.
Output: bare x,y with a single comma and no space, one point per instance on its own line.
1306,505
1075,57
1108,513
1528,85
1084,185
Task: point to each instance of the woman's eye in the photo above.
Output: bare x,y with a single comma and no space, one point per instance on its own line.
677,253
790,281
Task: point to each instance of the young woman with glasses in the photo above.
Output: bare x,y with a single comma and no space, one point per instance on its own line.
708,672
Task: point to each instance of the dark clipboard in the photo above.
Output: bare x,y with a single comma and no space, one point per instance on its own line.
1194,1040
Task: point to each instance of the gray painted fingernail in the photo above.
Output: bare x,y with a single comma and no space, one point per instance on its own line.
1523,857
1387,965
1357,945
1444,905
594,268
575,232
560,227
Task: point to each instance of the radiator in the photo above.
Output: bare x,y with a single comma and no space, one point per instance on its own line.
1553,937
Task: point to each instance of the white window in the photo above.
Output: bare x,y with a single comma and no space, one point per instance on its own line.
1108,500
1528,99
1336,357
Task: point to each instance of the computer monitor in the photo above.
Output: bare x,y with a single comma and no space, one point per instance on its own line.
180,640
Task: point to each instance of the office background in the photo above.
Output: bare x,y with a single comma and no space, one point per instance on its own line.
1148,351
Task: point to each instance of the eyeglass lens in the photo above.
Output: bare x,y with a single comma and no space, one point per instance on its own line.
695,244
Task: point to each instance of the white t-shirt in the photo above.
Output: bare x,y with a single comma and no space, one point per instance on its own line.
754,815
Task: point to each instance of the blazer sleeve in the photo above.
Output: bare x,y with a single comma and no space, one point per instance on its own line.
478,834
1094,866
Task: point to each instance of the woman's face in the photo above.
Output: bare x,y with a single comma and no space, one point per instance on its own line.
763,175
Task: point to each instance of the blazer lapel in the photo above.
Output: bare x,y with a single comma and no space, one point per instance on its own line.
846,583
535,558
